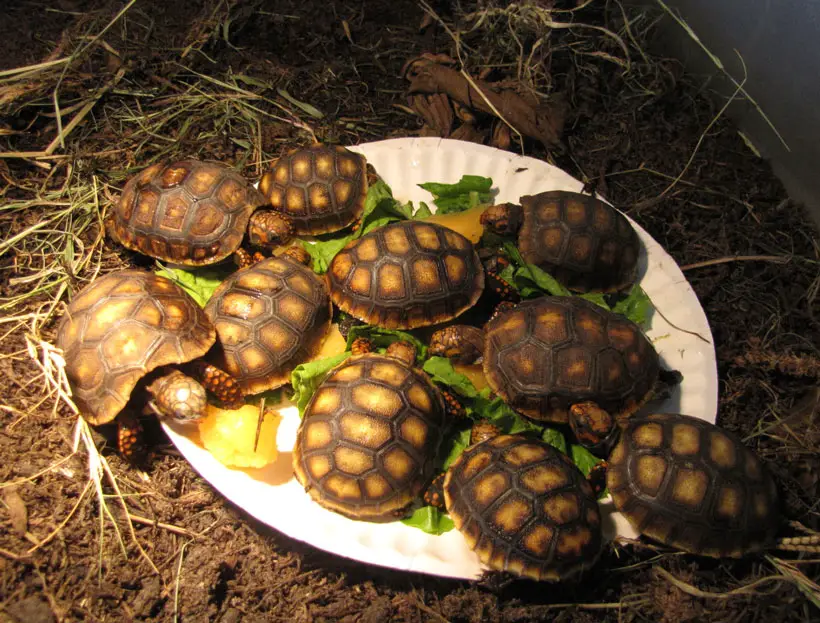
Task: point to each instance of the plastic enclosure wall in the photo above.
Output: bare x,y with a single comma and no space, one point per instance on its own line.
780,45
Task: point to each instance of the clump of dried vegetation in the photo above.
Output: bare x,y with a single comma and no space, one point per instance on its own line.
119,86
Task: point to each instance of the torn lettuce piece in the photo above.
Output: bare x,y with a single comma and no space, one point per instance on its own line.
583,458
555,438
468,192
200,283
308,376
430,519
441,370
637,306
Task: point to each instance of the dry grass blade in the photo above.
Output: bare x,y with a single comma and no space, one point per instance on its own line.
777,259
806,586
719,64
53,365
748,589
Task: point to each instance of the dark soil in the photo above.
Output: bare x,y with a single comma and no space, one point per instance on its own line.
61,559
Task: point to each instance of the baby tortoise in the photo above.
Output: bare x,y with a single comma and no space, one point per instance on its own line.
586,244
194,213
405,275
269,318
563,360
126,337
694,486
320,188
523,507
370,435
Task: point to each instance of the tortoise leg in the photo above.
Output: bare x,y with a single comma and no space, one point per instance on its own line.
243,258
434,495
503,306
461,343
594,428
493,267
667,382
453,409
219,383
178,396
597,478
131,438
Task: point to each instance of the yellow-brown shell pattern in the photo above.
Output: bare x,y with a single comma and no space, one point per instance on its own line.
269,318
367,444
188,212
524,508
321,188
694,486
406,274
585,243
546,354
118,329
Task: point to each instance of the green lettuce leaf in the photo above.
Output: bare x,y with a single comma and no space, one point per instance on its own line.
308,376
583,458
468,192
382,338
598,298
430,519
423,211
637,306
555,438
200,283
441,371
454,445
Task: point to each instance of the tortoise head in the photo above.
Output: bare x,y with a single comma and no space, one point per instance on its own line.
503,219
482,431
179,397
459,342
403,351
268,228
594,428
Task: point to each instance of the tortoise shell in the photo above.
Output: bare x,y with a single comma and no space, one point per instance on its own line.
369,438
546,354
694,486
406,274
321,188
119,328
187,212
269,318
584,243
524,508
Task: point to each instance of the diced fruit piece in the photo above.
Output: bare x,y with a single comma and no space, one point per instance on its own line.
230,436
466,223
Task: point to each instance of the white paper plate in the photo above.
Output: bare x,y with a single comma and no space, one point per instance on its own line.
273,496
